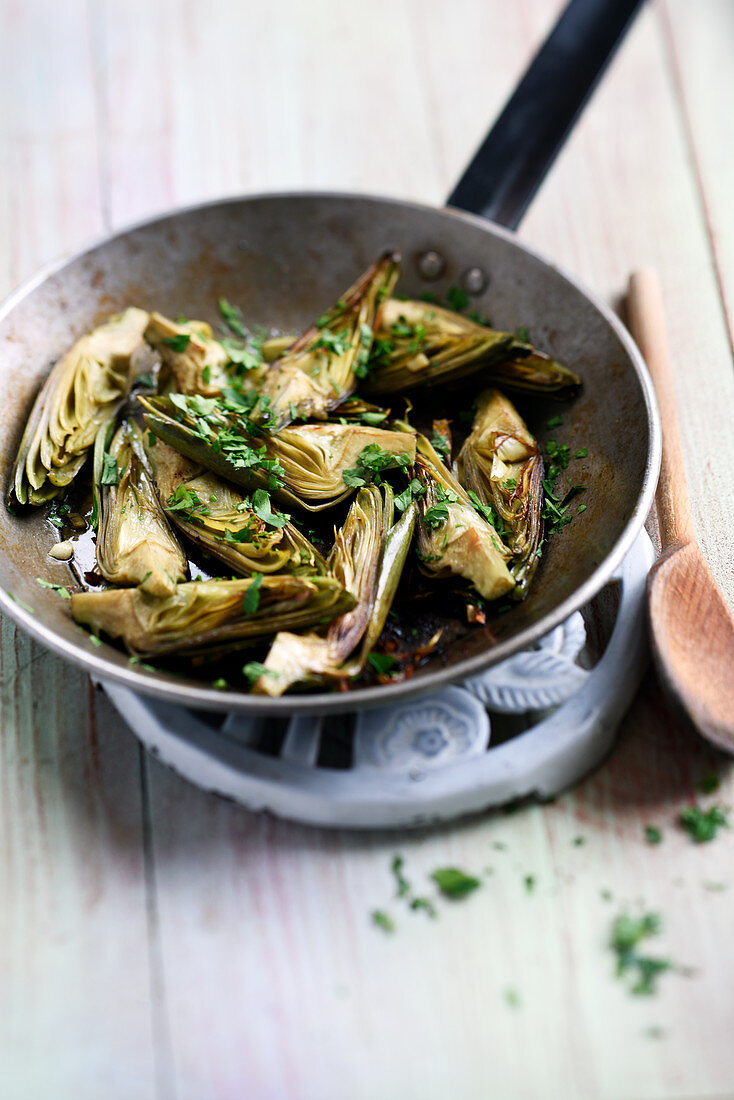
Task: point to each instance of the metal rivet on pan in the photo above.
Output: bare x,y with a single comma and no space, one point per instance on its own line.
431,264
474,280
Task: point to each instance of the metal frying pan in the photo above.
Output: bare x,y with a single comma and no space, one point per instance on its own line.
284,258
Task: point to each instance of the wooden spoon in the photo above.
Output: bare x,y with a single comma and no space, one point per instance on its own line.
691,627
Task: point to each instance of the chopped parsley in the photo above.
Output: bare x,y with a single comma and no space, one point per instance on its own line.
251,599
179,342
383,921
523,334
554,421
427,906
454,883
262,508
232,317
627,933
653,835
382,663
710,783
58,513
220,684
401,883
457,298
440,443
58,588
186,502
372,462
703,825
110,473
413,492
529,882
253,670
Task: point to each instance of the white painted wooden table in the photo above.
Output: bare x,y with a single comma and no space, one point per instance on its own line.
158,942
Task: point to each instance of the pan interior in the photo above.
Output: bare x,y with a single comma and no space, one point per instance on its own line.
284,259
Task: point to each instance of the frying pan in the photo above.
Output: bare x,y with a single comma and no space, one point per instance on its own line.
284,258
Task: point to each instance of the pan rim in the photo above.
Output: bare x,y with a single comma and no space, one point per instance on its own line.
166,687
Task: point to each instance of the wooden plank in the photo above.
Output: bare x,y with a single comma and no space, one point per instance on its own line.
701,71
74,969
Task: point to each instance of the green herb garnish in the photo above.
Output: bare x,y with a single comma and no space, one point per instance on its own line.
179,342
454,883
58,588
251,599
382,663
627,933
703,825
383,921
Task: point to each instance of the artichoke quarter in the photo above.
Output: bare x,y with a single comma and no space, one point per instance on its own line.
368,558
193,361
301,465
501,463
82,392
135,544
247,535
203,617
453,538
322,367
421,344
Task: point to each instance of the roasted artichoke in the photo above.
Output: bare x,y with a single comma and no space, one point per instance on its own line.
420,344
501,463
193,361
135,544
246,534
321,368
368,558
204,616
81,393
301,465
453,538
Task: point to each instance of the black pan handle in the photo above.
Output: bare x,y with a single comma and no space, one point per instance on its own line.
513,161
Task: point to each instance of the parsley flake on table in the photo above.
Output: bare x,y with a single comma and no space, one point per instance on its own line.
703,825
627,933
401,883
382,920
454,883
653,835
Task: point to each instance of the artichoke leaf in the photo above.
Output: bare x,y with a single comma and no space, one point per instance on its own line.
203,616
192,360
135,544
84,389
222,521
355,560
322,367
421,344
453,539
301,465
501,462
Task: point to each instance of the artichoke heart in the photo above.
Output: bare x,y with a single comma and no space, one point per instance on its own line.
368,558
193,361
314,457
421,344
501,462
206,616
453,538
301,466
81,393
321,368
135,544
247,535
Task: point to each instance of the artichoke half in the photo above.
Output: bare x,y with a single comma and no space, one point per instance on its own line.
302,466
321,368
247,535
453,538
204,617
420,344
135,544
368,558
501,463
82,392
193,361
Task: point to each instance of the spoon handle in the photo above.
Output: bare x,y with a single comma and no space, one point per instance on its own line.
647,324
